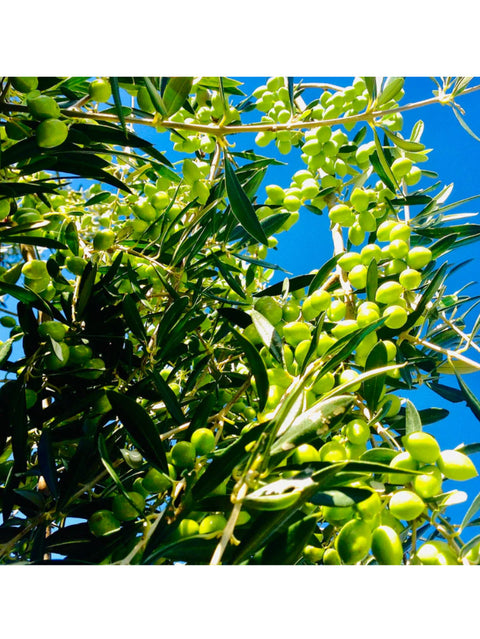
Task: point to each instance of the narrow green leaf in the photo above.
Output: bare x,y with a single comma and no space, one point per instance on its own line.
118,103
257,366
286,547
469,545
391,88
406,145
169,398
105,457
155,97
341,497
175,94
381,166
70,236
472,510
372,280
268,334
373,387
322,274
472,401
294,284
241,206
413,422
464,124
133,319
140,427
371,84
35,240
85,288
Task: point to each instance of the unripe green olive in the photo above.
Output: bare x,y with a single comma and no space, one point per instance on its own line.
388,292
156,482
406,505
337,310
275,193
413,176
356,234
404,461
400,231
410,279
290,310
347,376
305,453
354,541
100,90
324,383
43,107
103,240
344,327
183,455
331,557
428,484
398,248
124,510
359,199
456,465
324,342
337,515
53,362
203,440
296,332
341,214
395,404
51,133
369,253
270,309
418,257
279,377
54,329
401,166
103,523
35,270
357,431
369,508
358,276
212,524
386,546
436,553
384,230
367,221
367,315
422,447
332,451
301,351
348,261
396,316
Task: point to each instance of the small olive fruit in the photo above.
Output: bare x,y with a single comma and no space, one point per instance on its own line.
456,465
53,362
331,557
212,524
156,481
406,505
100,90
35,270
296,332
406,462
203,440
183,455
410,279
103,523
53,329
126,511
103,240
436,553
386,546
357,431
422,447
51,133
429,483
270,309
388,292
354,541
43,107
418,257
305,453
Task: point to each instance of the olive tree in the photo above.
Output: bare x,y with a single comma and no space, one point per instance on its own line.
170,394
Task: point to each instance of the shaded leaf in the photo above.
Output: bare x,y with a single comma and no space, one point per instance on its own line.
241,206
413,422
175,94
257,366
140,427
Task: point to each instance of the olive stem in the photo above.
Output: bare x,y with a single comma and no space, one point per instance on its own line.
230,526
445,351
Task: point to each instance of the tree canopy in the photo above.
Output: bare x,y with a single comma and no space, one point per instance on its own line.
169,393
